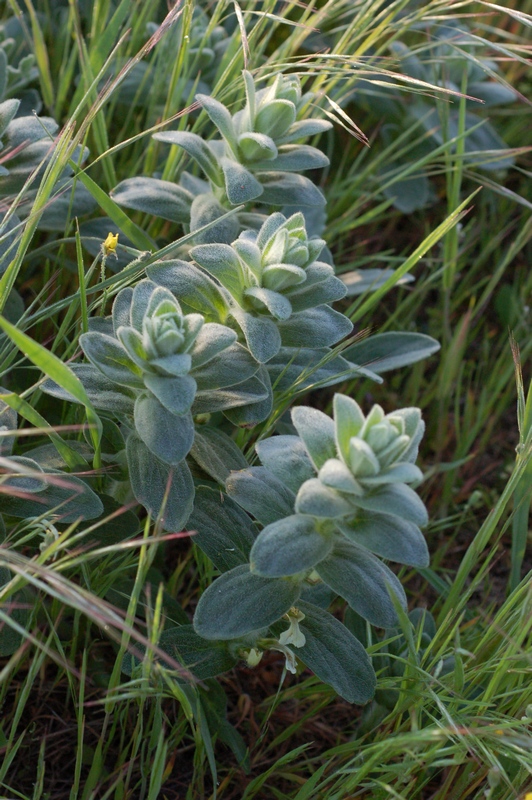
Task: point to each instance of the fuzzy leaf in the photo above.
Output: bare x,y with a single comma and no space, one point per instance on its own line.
251,398
69,496
23,475
335,475
303,128
408,194
492,93
287,458
364,581
204,659
397,499
266,300
230,367
252,413
290,364
320,501
206,209
221,528
414,427
216,453
349,419
269,228
221,261
163,199
261,333
157,485
175,394
261,493
211,340
310,295
295,158
275,117
110,357
240,185
67,201
198,149
256,147
403,472
8,109
8,422
169,437
315,327
317,431
193,287
221,117
364,280
289,546
239,602
389,537
386,351
287,189
8,237
335,655
120,313
103,393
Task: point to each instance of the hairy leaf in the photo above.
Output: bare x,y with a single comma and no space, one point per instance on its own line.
261,493
364,581
289,546
169,437
216,453
166,492
239,602
287,458
335,655
221,528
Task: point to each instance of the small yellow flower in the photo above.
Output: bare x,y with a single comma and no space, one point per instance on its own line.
109,246
253,656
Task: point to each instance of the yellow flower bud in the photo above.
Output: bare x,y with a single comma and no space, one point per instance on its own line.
109,246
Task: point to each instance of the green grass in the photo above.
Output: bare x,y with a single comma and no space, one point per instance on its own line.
73,724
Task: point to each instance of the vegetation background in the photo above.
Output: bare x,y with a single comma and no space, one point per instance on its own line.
454,715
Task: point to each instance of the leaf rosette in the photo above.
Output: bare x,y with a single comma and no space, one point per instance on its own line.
330,501
276,290
155,367
257,154
175,363
333,501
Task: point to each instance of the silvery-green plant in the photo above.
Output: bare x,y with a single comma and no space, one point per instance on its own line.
154,367
257,155
147,86
215,335
258,158
24,146
269,287
333,500
15,79
277,290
